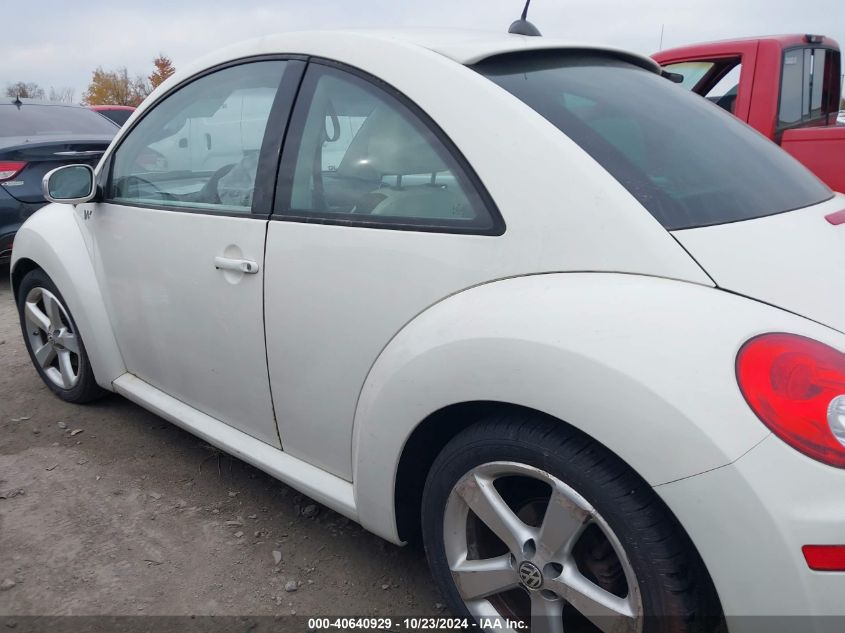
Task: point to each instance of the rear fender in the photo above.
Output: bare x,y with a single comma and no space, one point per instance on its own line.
643,365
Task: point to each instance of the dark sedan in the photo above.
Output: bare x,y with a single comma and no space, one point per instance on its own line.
118,113
36,137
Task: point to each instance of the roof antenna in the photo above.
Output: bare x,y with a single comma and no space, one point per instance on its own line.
522,26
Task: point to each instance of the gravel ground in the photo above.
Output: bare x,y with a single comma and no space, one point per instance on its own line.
107,509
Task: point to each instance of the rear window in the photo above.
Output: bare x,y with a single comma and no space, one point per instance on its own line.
803,95
44,120
687,161
118,116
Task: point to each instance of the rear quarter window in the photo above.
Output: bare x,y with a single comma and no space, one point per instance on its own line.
687,161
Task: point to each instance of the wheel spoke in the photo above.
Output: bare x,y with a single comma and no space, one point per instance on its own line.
481,578
546,615
34,314
45,355
51,305
563,523
607,611
487,504
66,369
70,342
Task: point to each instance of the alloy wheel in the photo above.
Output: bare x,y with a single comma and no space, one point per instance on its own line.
54,344
523,545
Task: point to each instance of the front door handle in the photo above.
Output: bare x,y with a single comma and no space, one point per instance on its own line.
239,265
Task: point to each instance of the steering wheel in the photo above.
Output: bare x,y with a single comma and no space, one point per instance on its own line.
209,193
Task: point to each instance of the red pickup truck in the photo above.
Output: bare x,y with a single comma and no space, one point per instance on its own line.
787,87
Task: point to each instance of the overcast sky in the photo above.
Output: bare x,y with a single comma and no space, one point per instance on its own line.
60,42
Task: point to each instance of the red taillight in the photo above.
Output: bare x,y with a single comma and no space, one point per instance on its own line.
10,169
825,557
791,383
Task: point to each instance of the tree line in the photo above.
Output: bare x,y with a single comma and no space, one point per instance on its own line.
31,90
113,87
107,87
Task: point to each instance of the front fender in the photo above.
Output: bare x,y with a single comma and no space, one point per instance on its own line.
644,365
53,239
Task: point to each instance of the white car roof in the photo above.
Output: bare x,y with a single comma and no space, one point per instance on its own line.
463,46
467,46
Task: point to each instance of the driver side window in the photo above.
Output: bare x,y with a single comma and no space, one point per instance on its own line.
199,147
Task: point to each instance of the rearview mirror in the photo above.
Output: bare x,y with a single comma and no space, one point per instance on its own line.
71,184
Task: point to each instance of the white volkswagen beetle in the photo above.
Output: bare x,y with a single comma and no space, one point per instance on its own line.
576,329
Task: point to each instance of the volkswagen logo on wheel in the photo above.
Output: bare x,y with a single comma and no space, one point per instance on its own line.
530,576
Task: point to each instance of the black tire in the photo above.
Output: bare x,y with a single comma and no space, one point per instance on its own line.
86,388
675,589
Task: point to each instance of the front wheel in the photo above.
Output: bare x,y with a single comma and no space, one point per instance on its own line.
527,520
53,340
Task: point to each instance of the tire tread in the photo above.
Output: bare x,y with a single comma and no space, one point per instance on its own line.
676,570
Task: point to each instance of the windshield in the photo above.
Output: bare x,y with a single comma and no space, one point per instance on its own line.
692,72
52,120
685,160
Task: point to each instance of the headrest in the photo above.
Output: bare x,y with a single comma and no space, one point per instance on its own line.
388,145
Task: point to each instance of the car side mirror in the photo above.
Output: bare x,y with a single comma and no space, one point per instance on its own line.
71,184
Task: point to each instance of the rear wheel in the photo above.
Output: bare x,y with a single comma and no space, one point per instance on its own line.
532,521
53,341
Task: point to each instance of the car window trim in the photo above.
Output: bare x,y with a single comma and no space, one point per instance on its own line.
290,150
263,196
271,147
719,71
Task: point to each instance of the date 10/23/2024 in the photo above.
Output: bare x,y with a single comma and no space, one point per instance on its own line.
415,624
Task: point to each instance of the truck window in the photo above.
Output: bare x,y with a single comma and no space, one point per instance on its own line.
725,92
689,164
692,72
803,96
716,80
